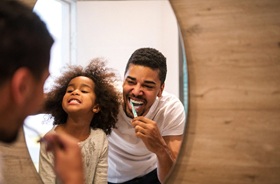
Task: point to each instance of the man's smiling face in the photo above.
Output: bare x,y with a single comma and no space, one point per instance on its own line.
141,86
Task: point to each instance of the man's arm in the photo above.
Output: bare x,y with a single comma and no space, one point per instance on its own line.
167,157
166,148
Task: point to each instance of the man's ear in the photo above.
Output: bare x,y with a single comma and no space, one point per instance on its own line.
96,108
21,85
161,90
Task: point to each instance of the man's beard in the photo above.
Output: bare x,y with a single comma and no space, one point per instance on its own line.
126,111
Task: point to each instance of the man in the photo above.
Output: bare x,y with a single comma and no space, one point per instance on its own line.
25,45
143,149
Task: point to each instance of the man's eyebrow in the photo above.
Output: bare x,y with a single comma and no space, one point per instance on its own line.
146,81
150,82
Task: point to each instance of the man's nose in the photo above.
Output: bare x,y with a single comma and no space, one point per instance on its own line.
137,90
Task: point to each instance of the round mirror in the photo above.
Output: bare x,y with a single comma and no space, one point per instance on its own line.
113,30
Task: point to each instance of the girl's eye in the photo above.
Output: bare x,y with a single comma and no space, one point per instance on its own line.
69,91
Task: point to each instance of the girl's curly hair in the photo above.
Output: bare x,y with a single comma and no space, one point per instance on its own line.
107,96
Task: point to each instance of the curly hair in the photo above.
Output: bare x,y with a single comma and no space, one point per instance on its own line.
107,96
149,57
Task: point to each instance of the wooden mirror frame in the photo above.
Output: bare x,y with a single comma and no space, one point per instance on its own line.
233,131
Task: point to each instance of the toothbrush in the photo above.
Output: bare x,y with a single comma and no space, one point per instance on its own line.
133,110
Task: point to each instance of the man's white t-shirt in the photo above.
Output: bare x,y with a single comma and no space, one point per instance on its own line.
128,156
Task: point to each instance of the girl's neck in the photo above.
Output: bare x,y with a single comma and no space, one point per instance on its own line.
78,130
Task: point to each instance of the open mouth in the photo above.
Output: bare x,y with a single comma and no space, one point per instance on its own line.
74,101
136,104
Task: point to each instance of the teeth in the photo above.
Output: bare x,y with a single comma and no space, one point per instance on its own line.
136,102
74,100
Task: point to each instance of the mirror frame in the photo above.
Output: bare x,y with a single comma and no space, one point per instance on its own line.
242,39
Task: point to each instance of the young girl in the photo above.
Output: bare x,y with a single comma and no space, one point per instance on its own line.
84,103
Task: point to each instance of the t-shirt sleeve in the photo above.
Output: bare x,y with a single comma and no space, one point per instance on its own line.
174,118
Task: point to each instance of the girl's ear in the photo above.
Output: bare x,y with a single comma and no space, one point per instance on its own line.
96,109
21,85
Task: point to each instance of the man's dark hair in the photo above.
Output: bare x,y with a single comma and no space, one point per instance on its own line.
24,40
149,57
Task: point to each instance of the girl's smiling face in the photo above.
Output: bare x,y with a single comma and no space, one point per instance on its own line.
80,96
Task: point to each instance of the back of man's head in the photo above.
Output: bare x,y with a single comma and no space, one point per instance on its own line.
24,40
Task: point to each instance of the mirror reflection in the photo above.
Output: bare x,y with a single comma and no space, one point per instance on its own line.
113,30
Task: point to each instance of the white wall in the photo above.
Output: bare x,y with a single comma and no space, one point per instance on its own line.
115,29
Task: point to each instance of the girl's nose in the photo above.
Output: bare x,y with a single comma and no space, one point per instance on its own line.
75,92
